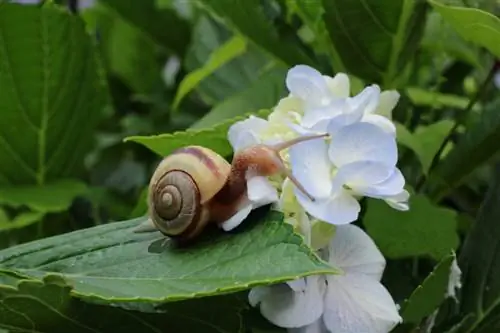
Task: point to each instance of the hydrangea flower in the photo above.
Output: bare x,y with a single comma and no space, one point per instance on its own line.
352,302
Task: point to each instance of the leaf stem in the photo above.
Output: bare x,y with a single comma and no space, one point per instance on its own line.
461,118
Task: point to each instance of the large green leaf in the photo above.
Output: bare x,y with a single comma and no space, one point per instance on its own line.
249,19
47,306
480,258
264,93
430,294
161,24
221,56
111,263
473,25
401,234
375,38
51,95
422,97
214,138
477,145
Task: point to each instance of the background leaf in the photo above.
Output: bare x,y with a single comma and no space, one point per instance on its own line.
51,91
111,263
399,234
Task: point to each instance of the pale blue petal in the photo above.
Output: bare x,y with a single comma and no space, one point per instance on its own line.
245,133
317,327
363,142
392,186
367,100
314,115
363,175
307,84
382,122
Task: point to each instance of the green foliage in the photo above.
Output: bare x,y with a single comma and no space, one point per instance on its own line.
400,234
112,263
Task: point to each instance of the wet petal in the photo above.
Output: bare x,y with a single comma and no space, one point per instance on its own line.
387,101
260,191
339,85
355,252
245,133
307,83
363,142
286,308
310,165
382,122
237,218
357,303
340,208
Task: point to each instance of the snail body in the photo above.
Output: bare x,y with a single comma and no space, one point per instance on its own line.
195,186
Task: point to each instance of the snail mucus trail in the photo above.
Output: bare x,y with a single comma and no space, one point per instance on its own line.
195,186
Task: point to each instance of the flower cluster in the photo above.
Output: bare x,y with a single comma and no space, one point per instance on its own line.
356,158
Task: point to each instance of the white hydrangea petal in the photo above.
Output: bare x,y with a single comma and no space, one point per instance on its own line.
387,101
391,187
399,201
367,100
340,208
342,120
286,308
358,303
339,85
258,294
363,142
314,115
244,133
260,191
382,122
307,83
311,167
355,252
297,285
454,281
362,174
317,327
237,218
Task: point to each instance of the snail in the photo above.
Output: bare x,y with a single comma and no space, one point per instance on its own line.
194,186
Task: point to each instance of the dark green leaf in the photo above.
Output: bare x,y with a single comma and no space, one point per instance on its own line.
375,38
400,234
430,294
52,197
161,24
214,138
480,257
21,220
438,100
51,96
249,19
473,25
47,306
111,263
477,145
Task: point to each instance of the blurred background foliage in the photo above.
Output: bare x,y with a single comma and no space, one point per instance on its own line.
170,65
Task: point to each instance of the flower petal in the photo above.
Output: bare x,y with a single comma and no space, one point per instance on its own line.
358,303
363,142
307,83
260,191
339,85
342,120
332,109
317,327
286,308
382,122
367,100
392,186
237,218
340,208
311,167
355,252
399,201
361,175
245,133
387,101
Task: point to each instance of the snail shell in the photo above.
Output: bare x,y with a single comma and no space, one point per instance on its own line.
181,188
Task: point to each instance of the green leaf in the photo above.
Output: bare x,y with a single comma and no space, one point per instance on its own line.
51,96
474,25
214,138
48,306
52,197
375,38
477,145
228,51
430,294
425,141
248,18
480,258
158,23
111,263
264,93
230,79
21,220
399,234
422,97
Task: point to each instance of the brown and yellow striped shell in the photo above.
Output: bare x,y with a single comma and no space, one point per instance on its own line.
181,188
